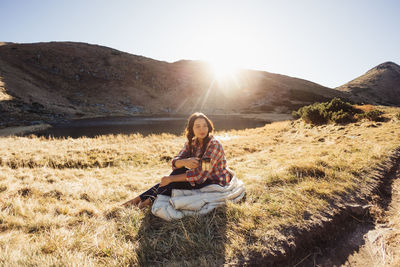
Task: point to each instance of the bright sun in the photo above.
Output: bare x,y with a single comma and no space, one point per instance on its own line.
226,77
223,71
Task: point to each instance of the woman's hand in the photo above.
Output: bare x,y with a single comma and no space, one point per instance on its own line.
191,163
165,181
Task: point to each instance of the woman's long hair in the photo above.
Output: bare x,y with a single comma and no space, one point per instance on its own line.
190,134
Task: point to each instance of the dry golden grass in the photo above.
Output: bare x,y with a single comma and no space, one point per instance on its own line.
59,198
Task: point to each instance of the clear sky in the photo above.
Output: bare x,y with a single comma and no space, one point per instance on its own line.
329,42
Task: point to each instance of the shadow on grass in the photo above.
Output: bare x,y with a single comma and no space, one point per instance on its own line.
198,240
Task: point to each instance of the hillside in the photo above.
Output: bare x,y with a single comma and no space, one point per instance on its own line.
380,85
56,80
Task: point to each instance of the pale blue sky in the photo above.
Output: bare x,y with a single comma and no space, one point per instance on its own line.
325,41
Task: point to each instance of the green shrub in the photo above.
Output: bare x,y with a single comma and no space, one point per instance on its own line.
372,115
336,105
336,111
342,117
314,114
296,115
398,116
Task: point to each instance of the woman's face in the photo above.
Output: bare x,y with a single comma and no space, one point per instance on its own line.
200,128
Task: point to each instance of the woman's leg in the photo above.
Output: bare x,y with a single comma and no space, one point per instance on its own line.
146,198
145,203
153,192
132,202
167,190
179,171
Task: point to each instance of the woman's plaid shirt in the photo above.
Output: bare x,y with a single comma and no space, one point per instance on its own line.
218,171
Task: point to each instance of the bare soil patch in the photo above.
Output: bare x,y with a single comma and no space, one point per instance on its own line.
366,235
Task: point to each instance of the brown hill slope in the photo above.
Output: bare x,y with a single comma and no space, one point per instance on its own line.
67,79
380,85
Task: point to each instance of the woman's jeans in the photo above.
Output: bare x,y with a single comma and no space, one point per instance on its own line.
167,190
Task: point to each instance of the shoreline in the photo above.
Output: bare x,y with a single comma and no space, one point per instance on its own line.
98,121
269,117
21,130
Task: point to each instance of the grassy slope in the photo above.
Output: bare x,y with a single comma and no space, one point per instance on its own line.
59,198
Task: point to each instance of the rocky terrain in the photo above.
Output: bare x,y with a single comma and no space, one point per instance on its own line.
64,80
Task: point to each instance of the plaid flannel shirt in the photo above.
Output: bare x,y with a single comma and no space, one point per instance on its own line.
218,172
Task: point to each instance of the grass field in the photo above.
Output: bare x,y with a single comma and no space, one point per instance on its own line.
60,198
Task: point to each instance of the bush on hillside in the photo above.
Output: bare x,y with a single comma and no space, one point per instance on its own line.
314,114
336,111
372,115
341,117
296,115
336,105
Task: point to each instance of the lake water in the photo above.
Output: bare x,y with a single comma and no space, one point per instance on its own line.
142,125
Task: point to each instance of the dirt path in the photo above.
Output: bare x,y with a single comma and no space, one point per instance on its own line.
382,244
367,241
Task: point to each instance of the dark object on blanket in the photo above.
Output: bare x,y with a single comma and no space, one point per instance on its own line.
205,164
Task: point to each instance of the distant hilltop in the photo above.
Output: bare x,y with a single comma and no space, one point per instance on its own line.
51,81
380,85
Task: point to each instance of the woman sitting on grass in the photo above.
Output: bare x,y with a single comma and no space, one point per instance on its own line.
188,172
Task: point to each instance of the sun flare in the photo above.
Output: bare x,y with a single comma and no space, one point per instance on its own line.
223,71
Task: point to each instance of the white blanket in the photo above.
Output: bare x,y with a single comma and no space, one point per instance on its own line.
198,201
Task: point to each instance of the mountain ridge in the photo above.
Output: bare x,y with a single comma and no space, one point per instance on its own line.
54,80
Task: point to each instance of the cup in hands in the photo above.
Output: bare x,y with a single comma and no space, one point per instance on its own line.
205,164
192,163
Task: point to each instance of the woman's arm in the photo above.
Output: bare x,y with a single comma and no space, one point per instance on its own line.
183,154
173,178
189,163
